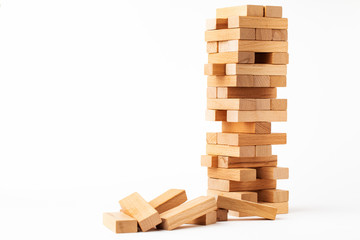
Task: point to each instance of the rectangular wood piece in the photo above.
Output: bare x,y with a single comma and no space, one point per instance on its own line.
215,115
238,174
232,57
246,127
209,161
207,219
216,23
255,69
119,222
244,10
246,139
239,104
248,196
257,22
273,195
230,34
256,116
273,173
234,186
233,151
168,200
273,11
255,46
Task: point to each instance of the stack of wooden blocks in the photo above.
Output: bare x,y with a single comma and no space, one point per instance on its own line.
247,56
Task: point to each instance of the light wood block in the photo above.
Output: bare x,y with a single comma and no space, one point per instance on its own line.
279,35
211,138
119,222
211,92
235,174
255,69
273,173
245,10
278,104
247,92
246,127
207,219
257,22
261,80
239,104
273,195
215,115
248,196
246,81
282,208
142,211
168,200
273,11
234,186
278,81
186,212
272,58
263,34
214,69
256,116
242,151
209,161
263,150
247,207
221,214
216,23
212,47
251,165
232,57
230,34
248,139
236,162
255,46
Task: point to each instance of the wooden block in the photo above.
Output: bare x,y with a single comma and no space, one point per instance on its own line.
239,104
263,150
247,92
186,212
238,214
242,151
232,57
272,58
215,115
214,69
273,11
211,92
255,69
212,47
235,174
255,46
248,139
231,81
248,196
141,210
256,116
207,219
221,214
257,22
273,195
261,80
216,23
233,162
234,186
278,81
168,200
247,207
273,173
245,10
282,208
119,222
278,104
209,161
211,138
230,34
279,35
246,127
263,34
251,165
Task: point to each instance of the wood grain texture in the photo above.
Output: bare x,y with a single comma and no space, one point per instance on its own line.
242,151
246,127
273,173
247,92
256,116
279,58
273,195
245,10
246,81
230,34
239,104
214,69
221,214
273,11
232,57
278,104
216,23
279,35
278,81
250,165
257,22
235,174
263,150
263,34
211,138
209,161
168,200
255,69
248,196
211,92
215,115
234,186
237,162
119,222
247,139
212,47
282,207
207,219
255,46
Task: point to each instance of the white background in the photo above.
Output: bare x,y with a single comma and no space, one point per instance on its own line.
99,99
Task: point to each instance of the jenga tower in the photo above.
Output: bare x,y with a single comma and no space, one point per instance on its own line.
248,53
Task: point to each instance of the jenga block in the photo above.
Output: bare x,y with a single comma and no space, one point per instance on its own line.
230,34
245,10
119,222
168,200
212,47
255,46
209,161
211,92
216,23
254,69
238,214
278,104
214,69
272,58
215,115
233,162
239,104
248,196
246,127
278,81
186,212
141,210
262,80
248,92
273,173
263,150
247,207
207,219
251,165
263,34
232,81
257,22
256,116
239,174
232,57
273,11
282,208
242,151
273,195
246,139
234,186
211,138
221,214
280,35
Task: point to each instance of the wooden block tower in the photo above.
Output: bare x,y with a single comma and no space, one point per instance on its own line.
248,54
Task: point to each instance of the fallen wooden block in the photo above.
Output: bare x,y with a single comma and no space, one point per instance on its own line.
232,57
212,47
207,219
214,69
221,214
273,195
246,139
255,69
238,162
263,34
211,138
248,196
234,186
257,22
141,210
239,104
279,35
168,200
242,151
119,222
256,46
186,212
215,115
209,161
245,10
282,207
273,11
230,34
256,116
278,104
246,92
273,173
263,150
246,127
279,58
239,174
216,23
